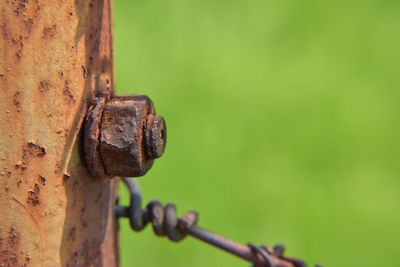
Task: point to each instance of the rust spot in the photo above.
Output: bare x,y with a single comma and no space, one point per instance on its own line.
20,45
4,31
34,150
43,86
28,151
49,32
17,101
8,258
20,6
37,8
19,183
33,195
42,180
13,237
84,72
8,253
20,165
19,52
68,94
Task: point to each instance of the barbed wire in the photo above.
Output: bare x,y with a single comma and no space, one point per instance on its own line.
166,223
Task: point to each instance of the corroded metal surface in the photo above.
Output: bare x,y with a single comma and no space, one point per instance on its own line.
55,56
92,137
125,134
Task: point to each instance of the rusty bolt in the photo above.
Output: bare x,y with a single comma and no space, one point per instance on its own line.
123,136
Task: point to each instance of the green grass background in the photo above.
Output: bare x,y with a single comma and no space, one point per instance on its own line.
283,125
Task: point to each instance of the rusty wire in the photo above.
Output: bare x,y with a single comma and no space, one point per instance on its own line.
166,223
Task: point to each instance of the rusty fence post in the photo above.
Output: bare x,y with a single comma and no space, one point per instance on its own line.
55,56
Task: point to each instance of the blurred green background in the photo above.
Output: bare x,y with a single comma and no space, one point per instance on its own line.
283,125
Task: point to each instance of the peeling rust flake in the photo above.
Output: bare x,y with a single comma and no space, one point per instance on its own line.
33,196
33,150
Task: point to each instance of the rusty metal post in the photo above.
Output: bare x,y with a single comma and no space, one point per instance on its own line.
55,56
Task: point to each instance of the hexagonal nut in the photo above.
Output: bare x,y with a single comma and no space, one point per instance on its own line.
124,146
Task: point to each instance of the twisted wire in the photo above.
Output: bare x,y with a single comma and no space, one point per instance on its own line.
263,252
163,219
166,223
